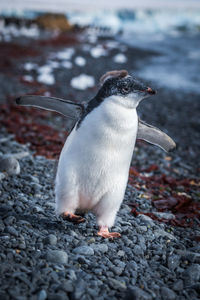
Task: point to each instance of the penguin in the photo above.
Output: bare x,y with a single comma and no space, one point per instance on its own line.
94,163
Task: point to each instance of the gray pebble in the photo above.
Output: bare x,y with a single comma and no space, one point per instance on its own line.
167,294
116,284
57,256
11,230
192,274
79,290
42,295
10,165
137,294
100,247
173,262
138,251
51,239
84,250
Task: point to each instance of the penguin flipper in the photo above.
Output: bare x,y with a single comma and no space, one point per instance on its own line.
65,107
155,136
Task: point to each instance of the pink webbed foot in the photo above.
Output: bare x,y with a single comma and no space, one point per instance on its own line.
72,218
103,231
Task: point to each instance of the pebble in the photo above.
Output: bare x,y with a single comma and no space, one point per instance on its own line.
42,295
57,256
137,294
10,165
12,230
83,250
167,294
192,274
100,247
51,239
116,284
173,262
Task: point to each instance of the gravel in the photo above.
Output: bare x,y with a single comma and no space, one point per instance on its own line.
44,257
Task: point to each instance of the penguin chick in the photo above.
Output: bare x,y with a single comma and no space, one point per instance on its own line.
9,165
94,163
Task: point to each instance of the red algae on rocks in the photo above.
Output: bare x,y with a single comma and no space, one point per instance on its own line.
25,123
166,197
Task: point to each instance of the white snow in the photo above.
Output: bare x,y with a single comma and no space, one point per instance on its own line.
120,58
82,82
80,61
66,64
30,66
45,75
28,78
54,64
98,51
65,54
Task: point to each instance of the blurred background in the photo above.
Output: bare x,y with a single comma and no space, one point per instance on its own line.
61,48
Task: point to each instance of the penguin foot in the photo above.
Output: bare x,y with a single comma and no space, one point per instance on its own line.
103,232
72,218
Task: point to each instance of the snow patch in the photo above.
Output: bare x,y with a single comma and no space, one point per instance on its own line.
82,82
80,61
65,54
66,64
28,78
45,75
98,51
30,66
120,58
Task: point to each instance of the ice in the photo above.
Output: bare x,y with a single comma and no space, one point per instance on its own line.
30,66
54,64
120,58
98,51
28,78
45,75
82,82
65,54
46,78
66,64
80,61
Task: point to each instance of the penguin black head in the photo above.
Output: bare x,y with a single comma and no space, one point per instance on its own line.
124,88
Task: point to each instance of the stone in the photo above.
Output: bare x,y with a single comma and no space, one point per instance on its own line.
100,247
51,239
83,250
79,290
57,256
137,250
12,230
10,165
167,294
137,294
42,295
116,284
173,262
192,274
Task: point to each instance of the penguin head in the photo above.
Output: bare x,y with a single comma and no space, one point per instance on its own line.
123,88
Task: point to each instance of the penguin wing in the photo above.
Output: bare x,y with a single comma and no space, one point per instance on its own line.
155,136
65,107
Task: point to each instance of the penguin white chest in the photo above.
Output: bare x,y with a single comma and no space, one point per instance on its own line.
96,157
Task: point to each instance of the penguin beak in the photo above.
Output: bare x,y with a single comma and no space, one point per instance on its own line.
150,91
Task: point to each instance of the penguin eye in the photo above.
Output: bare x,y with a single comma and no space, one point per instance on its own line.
125,90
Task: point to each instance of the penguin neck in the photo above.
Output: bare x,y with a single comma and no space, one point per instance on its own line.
116,116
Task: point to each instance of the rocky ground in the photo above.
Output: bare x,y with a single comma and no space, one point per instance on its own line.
44,257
